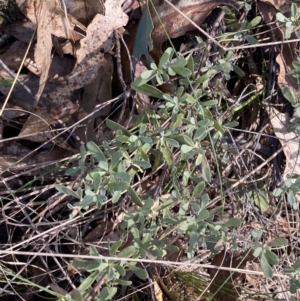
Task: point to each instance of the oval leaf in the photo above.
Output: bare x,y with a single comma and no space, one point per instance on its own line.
134,197
198,189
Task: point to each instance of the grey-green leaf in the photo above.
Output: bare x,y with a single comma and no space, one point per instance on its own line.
233,222
271,257
142,274
148,90
182,71
87,282
134,197
118,186
278,242
206,173
198,189
107,293
66,190
116,126
265,266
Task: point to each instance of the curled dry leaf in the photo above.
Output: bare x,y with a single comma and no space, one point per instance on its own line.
175,24
42,53
50,19
84,10
59,25
58,103
289,140
281,5
99,35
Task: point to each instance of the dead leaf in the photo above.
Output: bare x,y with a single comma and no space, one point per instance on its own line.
96,92
175,24
63,101
289,140
84,10
42,53
99,34
60,24
281,5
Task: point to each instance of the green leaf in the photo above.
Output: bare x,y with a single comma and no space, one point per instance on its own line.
143,41
122,176
294,285
115,159
261,200
179,62
233,222
107,293
93,251
201,133
182,71
206,173
76,295
251,39
7,83
127,252
88,200
257,251
278,192
147,74
172,142
291,198
183,139
66,190
87,282
134,197
191,64
266,268
96,152
288,94
254,22
202,215
278,242
142,274
115,247
143,164
118,186
148,90
198,189
116,126
120,269
103,165
281,18
297,264
296,65
210,103
116,196
256,234
238,71
93,265
80,263
271,257
97,182
232,124
167,154
189,98
294,10
123,282
165,57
